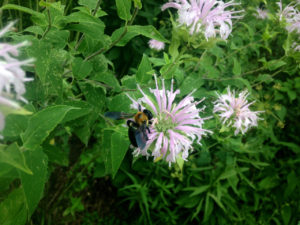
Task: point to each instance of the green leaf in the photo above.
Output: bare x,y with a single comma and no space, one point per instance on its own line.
168,70
292,181
84,133
129,82
123,9
227,174
191,82
94,95
48,66
144,68
56,155
23,9
275,64
292,94
237,69
56,10
197,190
58,38
297,82
12,209
137,4
286,213
115,145
6,110
265,78
208,207
207,65
21,203
175,43
81,108
219,203
268,183
7,175
120,103
244,82
42,123
81,68
86,24
15,125
249,28
281,111
195,214
119,147
14,157
135,30
35,30
255,163
91,4
108,78
33,185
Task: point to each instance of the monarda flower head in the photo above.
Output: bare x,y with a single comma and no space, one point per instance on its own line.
234,111
12,76
261,13
210,17
156,45
175,126
291,15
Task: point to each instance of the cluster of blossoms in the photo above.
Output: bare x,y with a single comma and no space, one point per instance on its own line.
12,76
234,111
291,15
210,17
261,13
156,45
176,126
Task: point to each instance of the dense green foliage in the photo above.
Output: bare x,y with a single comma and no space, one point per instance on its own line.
66,163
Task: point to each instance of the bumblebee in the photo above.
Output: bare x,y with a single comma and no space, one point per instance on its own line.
137,128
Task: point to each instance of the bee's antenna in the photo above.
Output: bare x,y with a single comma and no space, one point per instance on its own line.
140,108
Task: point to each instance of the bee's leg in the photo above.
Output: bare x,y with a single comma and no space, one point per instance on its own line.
148,130
131,123
140,108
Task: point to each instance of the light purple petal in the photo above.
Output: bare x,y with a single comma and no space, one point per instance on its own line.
170,5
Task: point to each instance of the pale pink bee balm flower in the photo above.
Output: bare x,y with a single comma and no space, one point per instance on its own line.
292,16
156,45
261,13
210,17
234,111
12,76
175,127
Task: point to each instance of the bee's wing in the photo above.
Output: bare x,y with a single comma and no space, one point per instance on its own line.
118,115
141,137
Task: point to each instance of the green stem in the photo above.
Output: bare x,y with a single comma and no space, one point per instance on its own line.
198,63
93,14
20,18
37,5
49,24
67,7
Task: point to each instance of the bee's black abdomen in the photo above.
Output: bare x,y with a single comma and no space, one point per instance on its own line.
131,135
